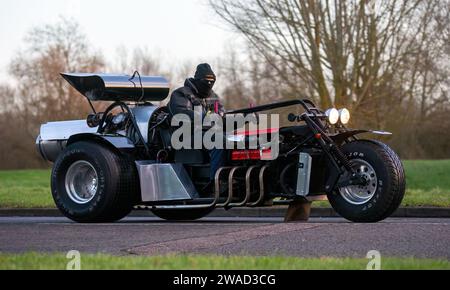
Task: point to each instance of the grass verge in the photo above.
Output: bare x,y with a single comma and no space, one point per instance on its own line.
33,261
25,189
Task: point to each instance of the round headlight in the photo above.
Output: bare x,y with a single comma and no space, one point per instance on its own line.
333,116
345,116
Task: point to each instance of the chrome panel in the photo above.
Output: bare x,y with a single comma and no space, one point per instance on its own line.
164,182
55,136
143,115
304,174
110,87
50,150
64,130
213,204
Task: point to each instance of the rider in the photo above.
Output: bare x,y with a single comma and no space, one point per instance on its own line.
198,92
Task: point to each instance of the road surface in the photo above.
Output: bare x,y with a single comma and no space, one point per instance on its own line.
332,237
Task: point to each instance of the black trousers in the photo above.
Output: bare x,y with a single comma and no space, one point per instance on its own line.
217,160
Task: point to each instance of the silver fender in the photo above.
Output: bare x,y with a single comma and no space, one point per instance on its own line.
56,136
51,149
341,137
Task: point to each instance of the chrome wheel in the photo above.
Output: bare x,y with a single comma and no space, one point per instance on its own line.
81,182
361,194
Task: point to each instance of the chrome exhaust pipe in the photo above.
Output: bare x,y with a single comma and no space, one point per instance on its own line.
262,187
231,178
248,187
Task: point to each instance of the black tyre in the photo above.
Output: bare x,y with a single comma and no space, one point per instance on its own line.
92,184
182,214
385,190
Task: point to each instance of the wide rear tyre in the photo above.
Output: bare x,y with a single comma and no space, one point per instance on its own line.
92,184
182,214
385,190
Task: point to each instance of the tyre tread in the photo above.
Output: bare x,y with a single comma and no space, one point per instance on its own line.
396,191
121,202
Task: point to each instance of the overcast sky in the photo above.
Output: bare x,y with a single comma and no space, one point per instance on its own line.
177,30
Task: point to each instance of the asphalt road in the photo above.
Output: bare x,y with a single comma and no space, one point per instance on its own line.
422,238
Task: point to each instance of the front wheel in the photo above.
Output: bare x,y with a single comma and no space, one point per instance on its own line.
385,187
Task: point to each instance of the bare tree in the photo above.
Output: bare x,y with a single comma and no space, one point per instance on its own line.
142,60
139,59
387,60
343,50
40,94
246,80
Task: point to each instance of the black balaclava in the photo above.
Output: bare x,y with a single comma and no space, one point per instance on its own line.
204,80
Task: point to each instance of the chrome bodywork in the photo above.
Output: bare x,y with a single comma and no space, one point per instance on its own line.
55,136
341,137
64,130
50,150
109,87
143,115
164,182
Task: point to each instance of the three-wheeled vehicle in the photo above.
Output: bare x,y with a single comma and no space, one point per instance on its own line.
111,162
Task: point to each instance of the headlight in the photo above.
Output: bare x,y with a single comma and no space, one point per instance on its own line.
333,116
345,116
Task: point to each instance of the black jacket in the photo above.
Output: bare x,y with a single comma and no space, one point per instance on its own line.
184,99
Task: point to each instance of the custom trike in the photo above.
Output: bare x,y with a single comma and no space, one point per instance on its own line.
123,157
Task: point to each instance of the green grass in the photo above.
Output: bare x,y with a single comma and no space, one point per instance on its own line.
428,185
25,189
428,175
33,261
